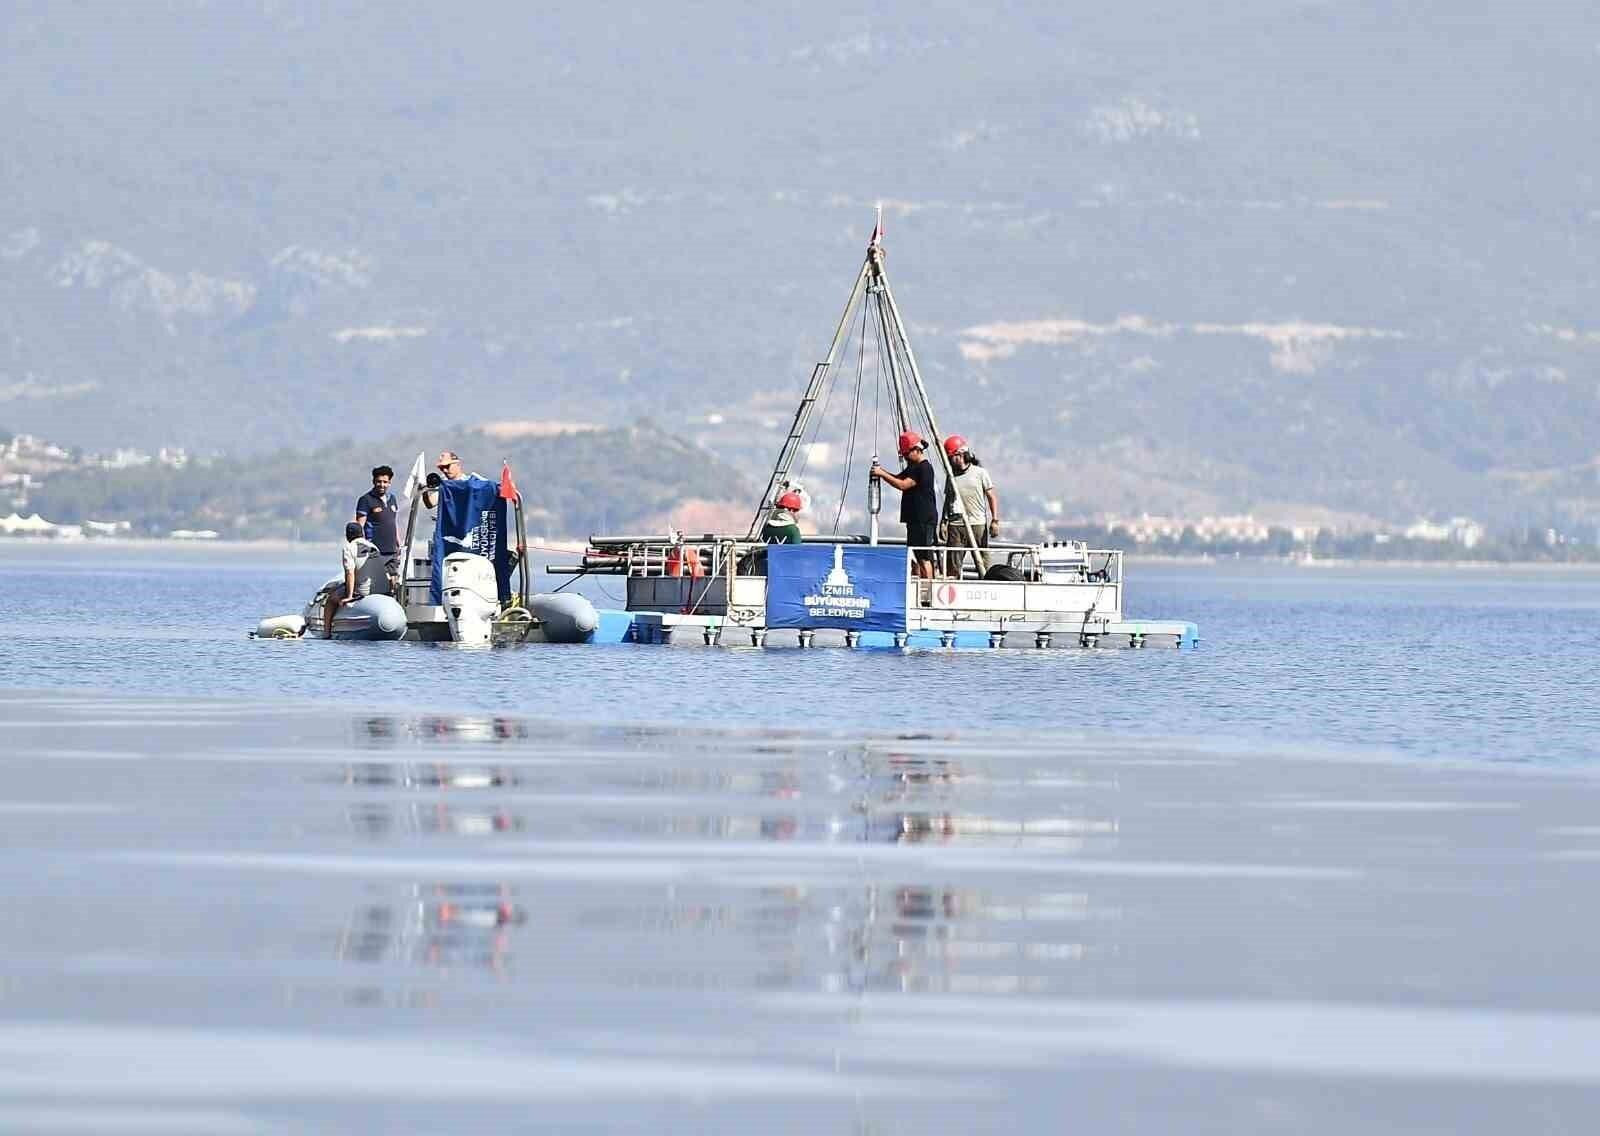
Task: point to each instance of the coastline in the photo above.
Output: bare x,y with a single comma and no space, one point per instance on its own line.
1580,567
220,547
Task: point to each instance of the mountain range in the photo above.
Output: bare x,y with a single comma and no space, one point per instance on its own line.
1328,258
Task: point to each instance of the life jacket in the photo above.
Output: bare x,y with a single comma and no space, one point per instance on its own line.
683,561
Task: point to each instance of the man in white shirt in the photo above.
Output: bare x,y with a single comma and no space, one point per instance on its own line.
364,575
969,499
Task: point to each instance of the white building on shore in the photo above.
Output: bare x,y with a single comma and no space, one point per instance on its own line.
1464,531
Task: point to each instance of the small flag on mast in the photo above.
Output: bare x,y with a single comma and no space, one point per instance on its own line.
413,485
508,488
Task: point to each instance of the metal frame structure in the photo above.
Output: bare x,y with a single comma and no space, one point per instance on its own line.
712,582
871,281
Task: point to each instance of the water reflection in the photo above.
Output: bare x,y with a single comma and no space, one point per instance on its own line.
918,936
376,821
914,934
491,729
427,775
797,918
914,772
449,925
1060,834
440,925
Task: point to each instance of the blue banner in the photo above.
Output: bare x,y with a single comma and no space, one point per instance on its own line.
472,518
853,587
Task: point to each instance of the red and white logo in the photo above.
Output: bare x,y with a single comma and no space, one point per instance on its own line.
946,594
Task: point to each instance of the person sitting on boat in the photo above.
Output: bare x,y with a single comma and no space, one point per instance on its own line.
365,574
971,508
783,524
377,512
919,507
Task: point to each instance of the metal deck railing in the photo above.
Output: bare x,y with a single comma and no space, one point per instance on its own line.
713,556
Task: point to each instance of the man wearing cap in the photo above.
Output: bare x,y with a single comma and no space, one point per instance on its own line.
919,505
449,467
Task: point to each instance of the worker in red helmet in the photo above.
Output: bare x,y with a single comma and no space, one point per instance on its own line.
783,523
971,508
919,505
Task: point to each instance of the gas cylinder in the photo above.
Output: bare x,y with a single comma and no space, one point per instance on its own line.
874,501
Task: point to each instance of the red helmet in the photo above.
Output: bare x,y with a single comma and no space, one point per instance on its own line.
954,444
791,501
910,440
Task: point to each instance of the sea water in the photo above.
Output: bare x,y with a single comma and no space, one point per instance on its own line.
1330,872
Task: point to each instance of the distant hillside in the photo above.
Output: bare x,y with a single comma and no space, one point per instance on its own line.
1301,257
572,484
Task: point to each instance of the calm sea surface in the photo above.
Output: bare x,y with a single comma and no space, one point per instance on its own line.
1330,872
1465,663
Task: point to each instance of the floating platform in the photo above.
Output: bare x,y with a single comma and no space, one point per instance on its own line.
664,628
840,592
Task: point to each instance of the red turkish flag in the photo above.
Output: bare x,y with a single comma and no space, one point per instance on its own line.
508,488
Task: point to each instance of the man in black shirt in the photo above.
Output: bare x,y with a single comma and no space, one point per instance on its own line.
919,507
376,514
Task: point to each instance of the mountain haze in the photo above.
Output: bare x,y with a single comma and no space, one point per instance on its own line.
1317,258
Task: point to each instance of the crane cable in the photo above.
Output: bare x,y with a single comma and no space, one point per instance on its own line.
827,398
877,397
855,417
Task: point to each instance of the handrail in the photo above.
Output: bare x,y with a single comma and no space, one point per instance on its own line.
663,558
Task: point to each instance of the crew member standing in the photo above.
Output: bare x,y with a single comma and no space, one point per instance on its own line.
969,500
449,467
919,505
377,512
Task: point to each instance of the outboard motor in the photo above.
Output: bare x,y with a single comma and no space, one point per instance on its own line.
471,597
